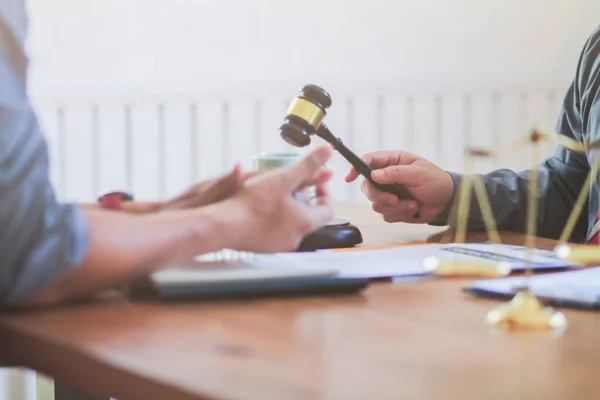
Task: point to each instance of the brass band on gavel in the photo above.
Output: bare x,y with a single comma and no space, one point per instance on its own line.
307,111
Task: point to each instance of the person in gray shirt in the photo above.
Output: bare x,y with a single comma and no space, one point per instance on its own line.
53,251
561,177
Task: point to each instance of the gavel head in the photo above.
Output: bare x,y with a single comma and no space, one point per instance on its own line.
305,115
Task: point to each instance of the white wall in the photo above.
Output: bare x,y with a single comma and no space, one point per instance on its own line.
399,72
167,46
507,55
512,57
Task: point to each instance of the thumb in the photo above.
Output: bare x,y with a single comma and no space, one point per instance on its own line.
307,167
236,172
233,177
250,174
321,212
318,215
404,174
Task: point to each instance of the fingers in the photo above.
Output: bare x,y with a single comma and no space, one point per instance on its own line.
398,218
405,212
249,175
220,188
308,167
323,176
217,191
319,211
207,192
353,173
377,196
389,206
382,159
322,194
427,215
235,176
237,170
404,209
410,175
317,215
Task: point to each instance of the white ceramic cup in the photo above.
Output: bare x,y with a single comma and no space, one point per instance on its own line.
265,161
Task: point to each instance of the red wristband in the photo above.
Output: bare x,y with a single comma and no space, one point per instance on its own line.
113,200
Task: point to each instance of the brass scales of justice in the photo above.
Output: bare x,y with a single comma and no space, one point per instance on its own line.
525,311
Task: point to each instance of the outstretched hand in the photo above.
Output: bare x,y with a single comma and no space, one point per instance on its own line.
208,192
274,219
430,186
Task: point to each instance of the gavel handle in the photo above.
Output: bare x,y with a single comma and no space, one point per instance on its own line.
362,167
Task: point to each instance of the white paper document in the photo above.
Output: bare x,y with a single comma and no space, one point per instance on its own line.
229,266
579,288
408,260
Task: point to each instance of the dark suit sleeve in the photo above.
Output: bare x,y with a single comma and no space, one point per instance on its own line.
561,177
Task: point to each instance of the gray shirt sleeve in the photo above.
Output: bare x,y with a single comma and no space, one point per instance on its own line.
561,177
41,240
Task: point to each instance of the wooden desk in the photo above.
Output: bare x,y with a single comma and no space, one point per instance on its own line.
419,340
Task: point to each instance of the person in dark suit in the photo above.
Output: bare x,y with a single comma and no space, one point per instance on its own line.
561,177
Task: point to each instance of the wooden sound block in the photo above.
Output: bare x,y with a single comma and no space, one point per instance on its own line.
338,233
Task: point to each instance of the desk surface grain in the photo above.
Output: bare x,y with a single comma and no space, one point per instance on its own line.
418,340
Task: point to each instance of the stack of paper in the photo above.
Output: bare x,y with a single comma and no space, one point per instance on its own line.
408,260
580,288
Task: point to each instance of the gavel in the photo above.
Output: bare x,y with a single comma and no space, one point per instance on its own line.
305,118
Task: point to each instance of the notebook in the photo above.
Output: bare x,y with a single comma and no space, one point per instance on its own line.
576,289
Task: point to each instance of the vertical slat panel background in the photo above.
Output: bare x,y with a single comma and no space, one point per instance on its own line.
509,129
394,123
424,135
77,152
211,142
178,141
481,133
157,147
114,158
537,115
341,124
146,153
364,134
452,127
242,136
271,112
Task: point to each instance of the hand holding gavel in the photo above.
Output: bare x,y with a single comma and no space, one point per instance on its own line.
430,186
305,118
